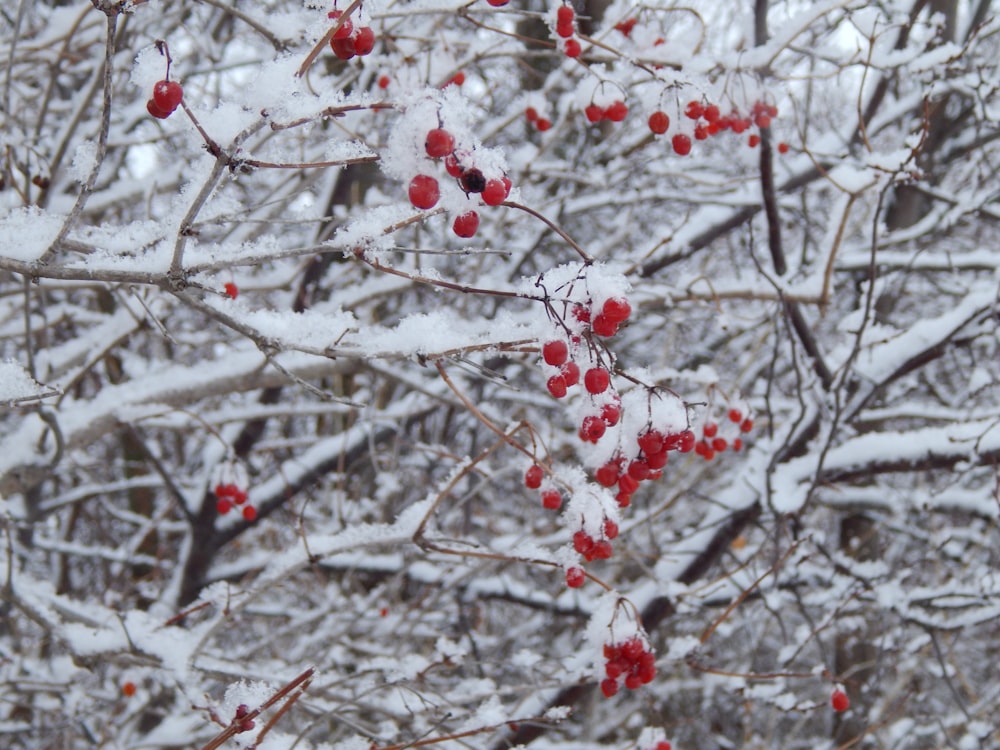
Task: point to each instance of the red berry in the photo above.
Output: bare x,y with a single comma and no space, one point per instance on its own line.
565,14
611,413
633,681
424,191
466,225
223,506
458,79
711,113
596,380
232,291
762,121
571,373
128,689
719,444
607,475
343,48
364,41
694,110
617,111
555,352
533,477
737,444
610,528
657,461
592,429
638,470
498,3
662,745
167,95
735,415
650,442
582,542
494,193
602,550
593,113
659,122
628,484
439,142
565,30
383,82
543,124
609,687
839,701
616,309
452,166
557,386
575,577
681,144
700,132
345,29
746,425
753,141
551,499
603,326
531,113
626,26
156,112
782,148
687,442
250,513
572,48
710,430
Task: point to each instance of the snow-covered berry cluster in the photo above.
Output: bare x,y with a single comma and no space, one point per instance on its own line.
717,437
350,40
231,490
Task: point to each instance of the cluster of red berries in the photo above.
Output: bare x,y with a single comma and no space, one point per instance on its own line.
596,380
551,497
541,123
839,701
654,448
167,96
712,442
615,112
228,496
424,191
350,40
630,663
566,30
710,121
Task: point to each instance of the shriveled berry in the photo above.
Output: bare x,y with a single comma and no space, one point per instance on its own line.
424,191
472,181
